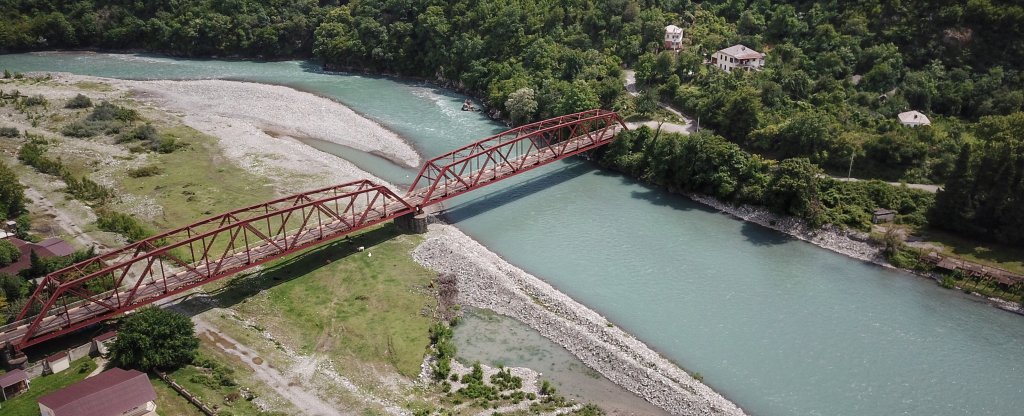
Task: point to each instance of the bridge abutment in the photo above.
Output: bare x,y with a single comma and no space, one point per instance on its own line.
12,358
412,223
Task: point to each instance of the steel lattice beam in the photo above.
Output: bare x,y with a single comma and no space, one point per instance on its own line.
172,262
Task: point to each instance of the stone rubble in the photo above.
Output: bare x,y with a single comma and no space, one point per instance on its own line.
487,281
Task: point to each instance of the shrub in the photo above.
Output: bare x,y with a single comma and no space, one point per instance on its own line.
144,171
123,224
106,111
80,129
8,253
9,132
33,101
79,101
7,73
144,132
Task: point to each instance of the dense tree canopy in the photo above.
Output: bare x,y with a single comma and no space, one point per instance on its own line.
155,338
836,76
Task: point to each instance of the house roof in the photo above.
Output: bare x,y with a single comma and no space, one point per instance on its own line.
12,377
914,117
105,336
47,248
673,29
56,356
883,211
111,393
741,52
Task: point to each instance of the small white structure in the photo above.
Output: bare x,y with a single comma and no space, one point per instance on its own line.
101,344
673,37
914,118
738,57
58,362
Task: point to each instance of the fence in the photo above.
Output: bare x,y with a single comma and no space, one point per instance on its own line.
184,393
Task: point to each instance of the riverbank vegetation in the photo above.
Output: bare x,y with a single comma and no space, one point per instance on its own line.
836,74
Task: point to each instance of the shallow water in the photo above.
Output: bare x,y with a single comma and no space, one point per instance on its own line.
497,340
777,325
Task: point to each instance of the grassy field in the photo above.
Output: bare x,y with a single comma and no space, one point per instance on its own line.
169,402
195,181
372,306
27,405
991,254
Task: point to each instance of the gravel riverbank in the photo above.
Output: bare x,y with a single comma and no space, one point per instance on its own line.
487,281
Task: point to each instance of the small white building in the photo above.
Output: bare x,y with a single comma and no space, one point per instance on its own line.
738,57
58,362
914,118
673,37
101,344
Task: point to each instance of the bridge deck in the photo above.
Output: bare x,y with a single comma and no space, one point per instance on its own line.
61,318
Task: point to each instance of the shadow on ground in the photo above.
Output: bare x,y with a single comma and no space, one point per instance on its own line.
244,286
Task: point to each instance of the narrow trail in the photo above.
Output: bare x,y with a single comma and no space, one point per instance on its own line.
287,387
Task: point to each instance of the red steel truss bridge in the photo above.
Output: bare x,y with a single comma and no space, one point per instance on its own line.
178,260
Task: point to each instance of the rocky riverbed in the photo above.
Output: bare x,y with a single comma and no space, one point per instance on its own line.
487,281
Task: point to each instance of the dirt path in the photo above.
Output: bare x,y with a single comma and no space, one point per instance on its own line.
285,386
686,128
61,219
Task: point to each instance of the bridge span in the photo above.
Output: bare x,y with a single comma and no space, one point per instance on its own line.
175,261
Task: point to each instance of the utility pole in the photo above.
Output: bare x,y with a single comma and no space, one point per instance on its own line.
849,173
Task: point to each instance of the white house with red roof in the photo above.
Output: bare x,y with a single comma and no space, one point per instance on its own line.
115,392
738,57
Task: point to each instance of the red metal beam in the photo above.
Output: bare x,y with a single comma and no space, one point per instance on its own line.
178,260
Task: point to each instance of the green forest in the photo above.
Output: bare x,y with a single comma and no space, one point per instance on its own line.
836,76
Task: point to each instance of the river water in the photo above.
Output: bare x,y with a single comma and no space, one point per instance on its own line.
777,325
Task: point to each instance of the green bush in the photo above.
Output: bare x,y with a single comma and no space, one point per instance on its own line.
144,171
106,111
35,100
123,224
9,132
8,253
80,129
79,101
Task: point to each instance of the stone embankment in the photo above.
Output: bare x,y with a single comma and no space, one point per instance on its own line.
847,242
487,281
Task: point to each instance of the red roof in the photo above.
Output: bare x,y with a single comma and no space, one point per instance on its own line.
105,336
111,393
49,247
56,356
12,377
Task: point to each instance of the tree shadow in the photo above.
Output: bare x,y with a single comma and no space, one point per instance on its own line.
244,286
482,204
760,235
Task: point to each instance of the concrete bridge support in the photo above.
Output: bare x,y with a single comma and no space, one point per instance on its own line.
13,359
412,223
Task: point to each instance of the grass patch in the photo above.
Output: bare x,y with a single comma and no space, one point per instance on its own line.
201,383
27,404
196,181
345,303
989,254
169,402
94,86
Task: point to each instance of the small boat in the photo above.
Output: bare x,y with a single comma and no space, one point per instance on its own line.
468,105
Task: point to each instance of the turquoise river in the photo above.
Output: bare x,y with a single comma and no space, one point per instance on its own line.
779,326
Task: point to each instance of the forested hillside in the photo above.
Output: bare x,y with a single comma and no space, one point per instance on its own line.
836,75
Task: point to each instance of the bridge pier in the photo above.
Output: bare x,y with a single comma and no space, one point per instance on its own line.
13,359
412,223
